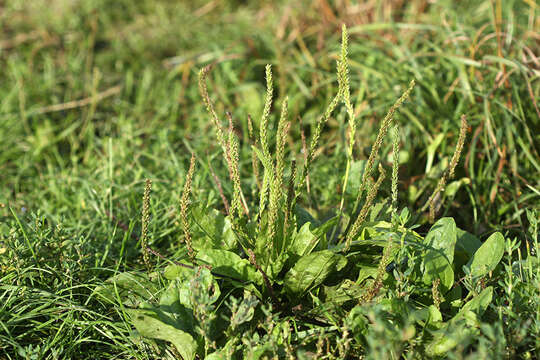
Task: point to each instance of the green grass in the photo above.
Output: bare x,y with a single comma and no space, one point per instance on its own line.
97,96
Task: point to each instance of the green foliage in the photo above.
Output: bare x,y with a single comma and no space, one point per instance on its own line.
440,243
149,326
311,270
486,258
98,96
392,263
229,264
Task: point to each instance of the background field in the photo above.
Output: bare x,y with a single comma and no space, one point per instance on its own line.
96,96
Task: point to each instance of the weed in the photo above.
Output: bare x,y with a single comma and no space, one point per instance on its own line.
92,105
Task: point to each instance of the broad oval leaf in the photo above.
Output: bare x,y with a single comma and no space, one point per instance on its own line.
440,241
466,246
427,316
202,289
245,310
478,304
347,290
311,270
128,288
467,243
149,326
212,230
303,216
448,337
487,257
356,173
175,271
303,242
173,307
194,286
227,263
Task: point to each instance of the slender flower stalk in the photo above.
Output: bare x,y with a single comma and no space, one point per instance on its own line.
238,203
268,173
374,289
436,294
395,170
387,121
263,130
203,74
254,160
289,202
184,206
372,192
146,221
315,140
276,185
435,198
344,90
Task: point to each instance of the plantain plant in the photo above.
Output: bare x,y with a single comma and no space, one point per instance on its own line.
265,278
